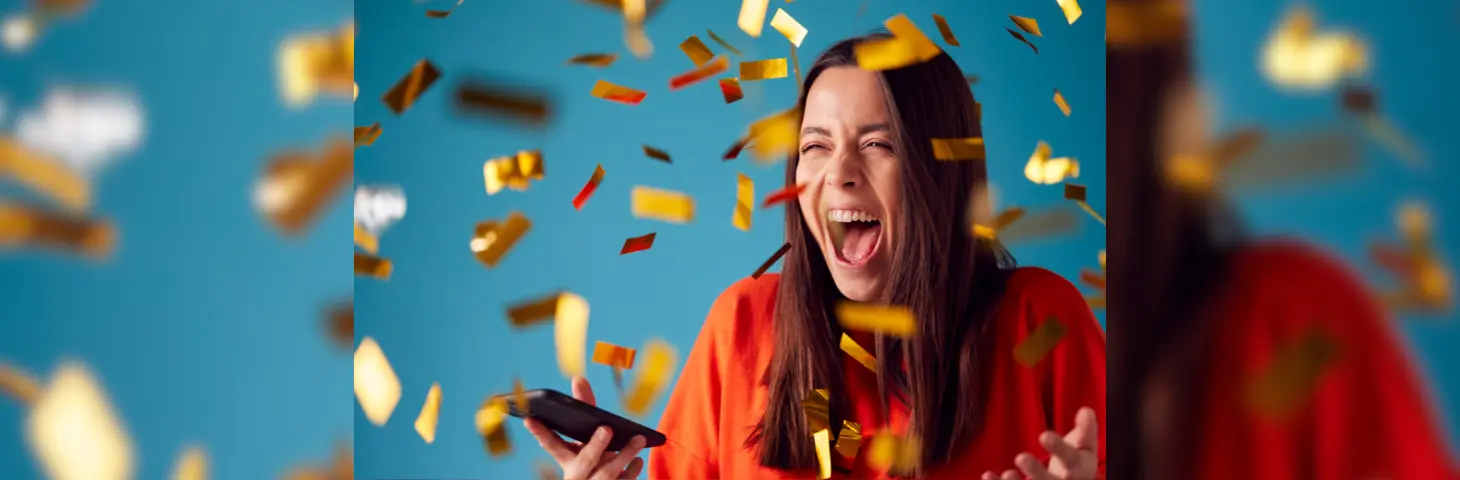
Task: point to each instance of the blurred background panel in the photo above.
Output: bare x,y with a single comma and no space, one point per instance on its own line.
204,324
441,315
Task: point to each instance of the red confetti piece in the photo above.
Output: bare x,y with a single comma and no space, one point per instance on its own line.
736,148
783,195
695,76
1093,279
730,87
589,188
637,244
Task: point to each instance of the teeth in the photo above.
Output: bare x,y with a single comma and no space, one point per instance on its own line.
849,216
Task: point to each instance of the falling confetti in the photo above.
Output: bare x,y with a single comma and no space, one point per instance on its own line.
430,414
660,361
781,252
570,331
74,432
1030,351
663,205
490,419
315,63
514,172
605,353
1028,25
892,320
858,353
615,93
1048,171
192,464
296,185
696,50
495,99
367,135
909,46
1059,101
1076,193
491,241
1293,374
365,240
953,149
752,16
47,175
410,87
376,386
893,453
789,27
588,188
722,42
783,195
1296,56
730,88
377,207
84,129
775,137
1020,37
716,67
372,266
822,439
945,30
19,385
600,60
340,323
763,70
22,225
744,202
1071,8
849,440
637,244
657,154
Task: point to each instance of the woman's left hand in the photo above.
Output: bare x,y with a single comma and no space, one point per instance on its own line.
1071,457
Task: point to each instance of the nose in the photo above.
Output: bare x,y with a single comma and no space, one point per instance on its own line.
845,170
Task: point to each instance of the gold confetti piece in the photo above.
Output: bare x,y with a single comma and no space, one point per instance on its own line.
1020,37
945,30
491,99
367,135
376,386
74,432
699,74
781,252
958,148
430,414
519,396
660,361
44,174
1293,374
1071,8
1076,193
616,93
858,353
891,320
849,440
372,266
763,69
893,453
696,50
296,185
796,67
1059,101
822,439
533,312
744,203
663,205
657,154
19,385
775,137
192,464
637,244
613,355
1298,56
1040,342
1040,225
491,241
343,468
490,419
600,60
1048,171
723,44
1028,25
637,40
366,240
315,63
634,10
340,323
588,188
513,172
410,87
817,406
752,16
909,46
1130,24
789,27
730,88
24,225
570,331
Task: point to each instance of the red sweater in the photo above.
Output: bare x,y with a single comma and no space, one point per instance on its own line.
719,397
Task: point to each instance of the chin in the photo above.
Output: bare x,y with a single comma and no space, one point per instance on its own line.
859,290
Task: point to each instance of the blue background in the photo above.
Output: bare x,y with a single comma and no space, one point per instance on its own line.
440,318
1406,38
205,325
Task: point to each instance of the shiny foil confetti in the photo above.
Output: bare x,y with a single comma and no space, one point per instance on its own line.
19,385
909,46
430,414
340,323
366,135
1292,374
1297,56
372,266
730,89
491,240
22,225
817,406
887,319
297,185
1048,171
589,188
73,430
488,99
744,202
1028,25
570,333
366,240
1071,9
775,137
781,252
515,172
1059,101
657,154
858,353
615,93
410,87
945,30
317,63
696,50
605,353
1130,25
534,311
45,175
490,422
954,149
723,44
1030,351
663,205
660,362
192,464
599,60
377,389
699,74
752,16
822,440
849,440
763,70
893,453
783,195
1020,37
637,244
1076,193
789,27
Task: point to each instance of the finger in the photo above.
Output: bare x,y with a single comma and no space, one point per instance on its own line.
610,470
1010,475
583,391
592,452
635,467
1086,435
1060,449
990,476
550,442
1032,468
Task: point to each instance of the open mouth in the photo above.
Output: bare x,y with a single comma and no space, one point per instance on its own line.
855,235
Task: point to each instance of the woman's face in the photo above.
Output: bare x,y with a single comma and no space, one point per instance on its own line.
849,165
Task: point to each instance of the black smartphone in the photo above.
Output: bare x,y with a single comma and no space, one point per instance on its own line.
578,421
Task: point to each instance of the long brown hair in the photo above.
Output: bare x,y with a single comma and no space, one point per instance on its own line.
950,280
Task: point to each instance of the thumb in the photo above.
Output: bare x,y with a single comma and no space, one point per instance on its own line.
1086,435
583,391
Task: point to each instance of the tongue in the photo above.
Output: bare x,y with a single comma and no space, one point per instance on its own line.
859,241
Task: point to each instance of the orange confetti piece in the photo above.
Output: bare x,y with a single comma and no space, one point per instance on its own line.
366,135
1293,374
1059,101
699,74
617,93
1021,38
783,195
1040,342
730,88
637,244
491,241
945,30
1028,25
605,353
371,265
588,188
1093,279
696,50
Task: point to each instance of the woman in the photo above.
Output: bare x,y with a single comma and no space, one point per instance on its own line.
880,222
1199,316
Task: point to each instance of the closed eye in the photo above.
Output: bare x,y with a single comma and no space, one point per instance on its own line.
811,146
879,144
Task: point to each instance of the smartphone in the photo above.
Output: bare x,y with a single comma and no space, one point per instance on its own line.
578,421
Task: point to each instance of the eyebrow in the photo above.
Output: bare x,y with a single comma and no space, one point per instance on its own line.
863,130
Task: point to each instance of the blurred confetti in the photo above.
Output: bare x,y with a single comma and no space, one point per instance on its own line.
83,129
378,207
1299,57
660,361
376,387
296,184
314,63
75,433
430,414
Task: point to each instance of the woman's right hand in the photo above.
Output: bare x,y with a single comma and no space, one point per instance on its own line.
589,461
